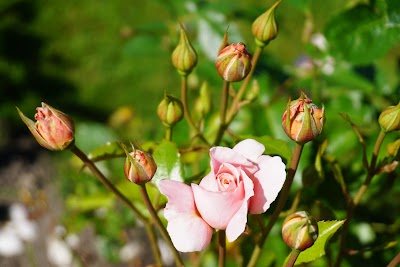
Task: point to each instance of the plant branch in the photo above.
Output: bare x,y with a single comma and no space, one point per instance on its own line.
159,224
221,248
354,203
224,106
281,202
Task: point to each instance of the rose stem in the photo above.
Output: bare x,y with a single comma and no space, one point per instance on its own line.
292,257
353,204
281,202
221,248
186,110
99,175
224,106
235,104
395,261
159,224
168,133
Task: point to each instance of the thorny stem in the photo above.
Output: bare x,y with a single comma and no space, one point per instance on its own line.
186,110
354,203
99,175
281,202
395,262
159,224
292,257
224,106
221,248
236,101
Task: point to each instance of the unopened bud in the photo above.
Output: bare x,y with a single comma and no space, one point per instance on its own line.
139,167
184,57
389,120
53,129
300,230
264,27
303,121
170,110
233,63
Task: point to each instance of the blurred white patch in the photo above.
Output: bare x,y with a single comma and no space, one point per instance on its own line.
25,229
59,253
10,243
191,7
365,233
166,255
319,41
130,251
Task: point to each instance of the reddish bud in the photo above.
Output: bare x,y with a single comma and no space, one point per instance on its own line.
233,62
300,230
53,129
139,167
303,121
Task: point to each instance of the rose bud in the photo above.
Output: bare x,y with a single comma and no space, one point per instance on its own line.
264,27
300,230
53,129
139,167
184,57
233,63
389,120
170,110
303,121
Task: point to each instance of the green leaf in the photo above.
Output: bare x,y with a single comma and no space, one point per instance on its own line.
108,151
168,161
365,33
326,230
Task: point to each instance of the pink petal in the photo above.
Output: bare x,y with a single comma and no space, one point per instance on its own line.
268,181
221,155
180,198
250,149
209,182
189,233
217,208
237,224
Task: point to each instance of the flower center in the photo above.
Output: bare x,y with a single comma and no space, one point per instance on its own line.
226,182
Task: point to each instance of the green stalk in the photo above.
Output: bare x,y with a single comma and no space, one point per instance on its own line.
221,248
292,258
354,203
99,175
159,224
281,202
224,106
188,116
168,133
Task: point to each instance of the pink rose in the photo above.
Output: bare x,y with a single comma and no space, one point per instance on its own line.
241,180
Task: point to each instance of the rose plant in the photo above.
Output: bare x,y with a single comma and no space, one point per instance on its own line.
241,181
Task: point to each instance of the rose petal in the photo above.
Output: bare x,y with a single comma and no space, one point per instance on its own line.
189,233
180,198
220,155
237,224
209,182
217,208
268,181
250,149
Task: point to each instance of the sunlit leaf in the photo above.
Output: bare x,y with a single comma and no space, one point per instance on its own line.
326,230
365,32
168,161
108,151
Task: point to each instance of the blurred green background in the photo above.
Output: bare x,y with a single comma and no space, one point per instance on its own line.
107,65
